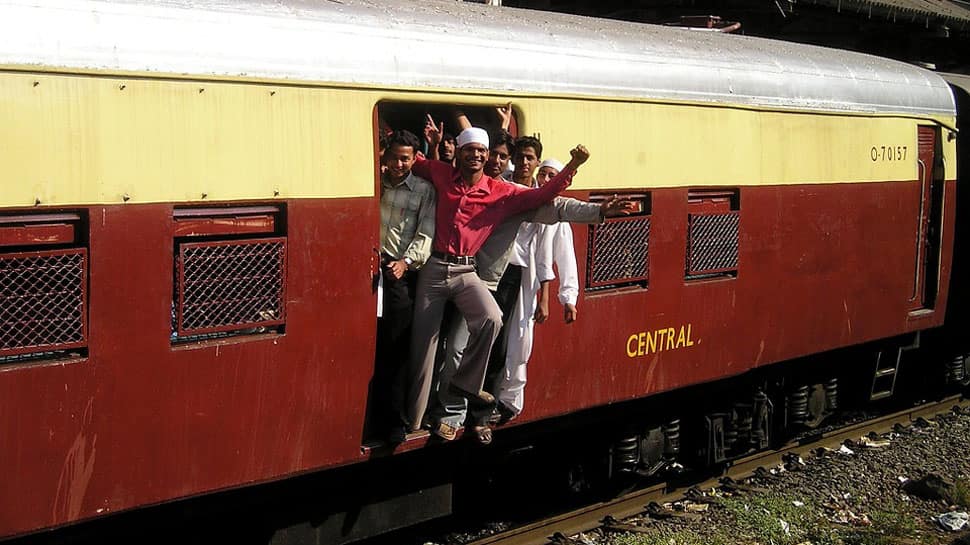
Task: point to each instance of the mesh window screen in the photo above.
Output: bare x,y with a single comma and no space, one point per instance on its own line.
619,253
712,245
43,298
230,285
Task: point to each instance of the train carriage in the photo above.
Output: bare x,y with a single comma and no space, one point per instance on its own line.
190,215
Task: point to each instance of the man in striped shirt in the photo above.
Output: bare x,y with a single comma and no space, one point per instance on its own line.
407,231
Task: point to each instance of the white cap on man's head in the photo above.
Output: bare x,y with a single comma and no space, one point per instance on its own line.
552,163
472,135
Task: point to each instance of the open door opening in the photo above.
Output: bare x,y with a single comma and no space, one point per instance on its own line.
407,207
930,222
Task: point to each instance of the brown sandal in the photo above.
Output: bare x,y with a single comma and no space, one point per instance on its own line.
482,434
444,431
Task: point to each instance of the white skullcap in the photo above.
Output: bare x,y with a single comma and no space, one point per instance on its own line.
553,163
472,135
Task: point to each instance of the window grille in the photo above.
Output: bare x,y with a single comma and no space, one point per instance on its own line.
230,285
43,301
713,219
619,253
712,243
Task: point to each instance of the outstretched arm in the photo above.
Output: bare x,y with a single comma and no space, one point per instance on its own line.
526,199
577,211
618,206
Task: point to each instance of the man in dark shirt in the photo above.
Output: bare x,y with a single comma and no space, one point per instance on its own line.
470,206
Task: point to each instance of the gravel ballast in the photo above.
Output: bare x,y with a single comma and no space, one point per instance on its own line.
885,490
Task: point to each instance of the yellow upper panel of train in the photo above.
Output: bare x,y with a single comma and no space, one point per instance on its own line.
85,139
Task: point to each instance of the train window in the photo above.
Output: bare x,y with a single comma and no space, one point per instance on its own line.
43,286
619,248
230,272
712,233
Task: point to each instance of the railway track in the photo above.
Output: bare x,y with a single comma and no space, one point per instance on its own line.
589,517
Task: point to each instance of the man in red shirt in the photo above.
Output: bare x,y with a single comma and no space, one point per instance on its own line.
470,206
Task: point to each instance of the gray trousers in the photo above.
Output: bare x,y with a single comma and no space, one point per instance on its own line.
438,283
448,407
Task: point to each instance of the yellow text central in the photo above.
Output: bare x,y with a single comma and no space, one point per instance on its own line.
650,342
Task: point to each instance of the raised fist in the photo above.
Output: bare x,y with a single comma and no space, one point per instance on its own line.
580,154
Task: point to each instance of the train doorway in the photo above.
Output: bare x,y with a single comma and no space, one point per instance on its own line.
929,232
401,125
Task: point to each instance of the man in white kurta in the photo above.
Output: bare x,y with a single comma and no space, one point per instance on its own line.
537,248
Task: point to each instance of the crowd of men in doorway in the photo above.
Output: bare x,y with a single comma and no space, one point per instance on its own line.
468,245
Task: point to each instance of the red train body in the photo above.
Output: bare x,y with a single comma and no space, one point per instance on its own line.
123,415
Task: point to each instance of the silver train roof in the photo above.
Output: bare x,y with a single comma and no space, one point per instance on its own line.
455,45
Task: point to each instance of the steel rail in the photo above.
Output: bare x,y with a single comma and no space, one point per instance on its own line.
628,505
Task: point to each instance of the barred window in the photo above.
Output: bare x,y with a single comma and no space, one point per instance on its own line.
43,287
619,249
713,218
230,272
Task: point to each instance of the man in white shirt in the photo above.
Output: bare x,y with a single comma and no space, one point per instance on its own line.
537,248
